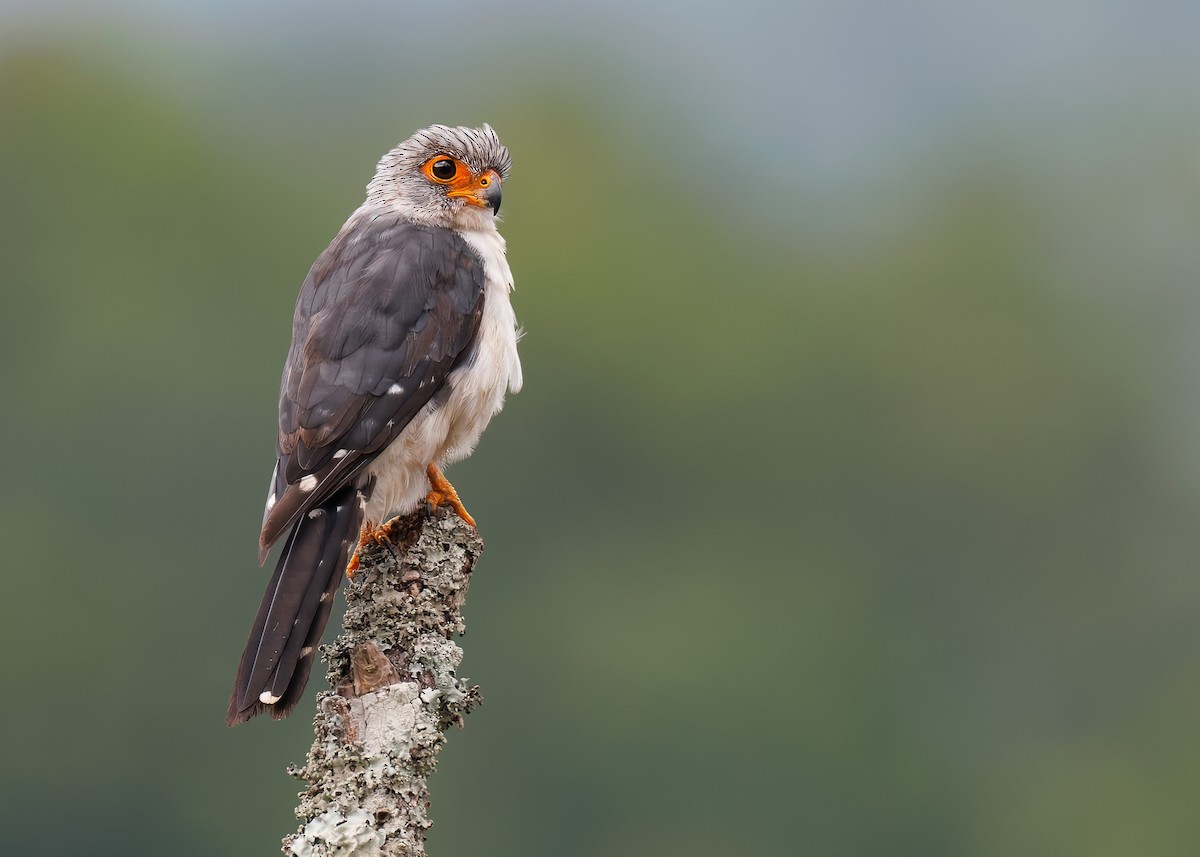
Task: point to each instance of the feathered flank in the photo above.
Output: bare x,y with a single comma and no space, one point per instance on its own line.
356,380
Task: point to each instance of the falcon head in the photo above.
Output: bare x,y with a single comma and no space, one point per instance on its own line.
444,176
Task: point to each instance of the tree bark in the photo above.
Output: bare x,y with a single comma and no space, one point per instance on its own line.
395,692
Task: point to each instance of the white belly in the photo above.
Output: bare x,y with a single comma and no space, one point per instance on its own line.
448,432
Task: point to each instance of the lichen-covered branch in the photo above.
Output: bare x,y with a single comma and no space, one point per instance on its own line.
395,692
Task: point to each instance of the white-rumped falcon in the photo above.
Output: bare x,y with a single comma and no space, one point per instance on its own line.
404,344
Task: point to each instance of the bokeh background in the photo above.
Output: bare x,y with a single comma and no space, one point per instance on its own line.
851,504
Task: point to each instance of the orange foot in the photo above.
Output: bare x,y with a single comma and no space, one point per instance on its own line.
443,492
370,535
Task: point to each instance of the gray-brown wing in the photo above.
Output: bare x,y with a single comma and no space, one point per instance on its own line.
387,311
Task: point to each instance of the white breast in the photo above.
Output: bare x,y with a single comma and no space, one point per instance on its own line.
448,432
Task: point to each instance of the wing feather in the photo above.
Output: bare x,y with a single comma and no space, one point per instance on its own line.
385,314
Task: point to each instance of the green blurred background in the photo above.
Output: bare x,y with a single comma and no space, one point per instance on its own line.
850,506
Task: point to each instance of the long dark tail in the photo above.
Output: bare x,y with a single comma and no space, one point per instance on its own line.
279,654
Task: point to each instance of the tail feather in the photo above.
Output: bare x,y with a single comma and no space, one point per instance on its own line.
280,651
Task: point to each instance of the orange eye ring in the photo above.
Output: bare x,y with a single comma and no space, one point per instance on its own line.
443,169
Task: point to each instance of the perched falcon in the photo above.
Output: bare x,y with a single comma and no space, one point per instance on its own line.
404,344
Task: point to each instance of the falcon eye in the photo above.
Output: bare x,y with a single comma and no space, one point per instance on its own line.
443,169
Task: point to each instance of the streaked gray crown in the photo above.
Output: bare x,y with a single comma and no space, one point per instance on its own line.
478,148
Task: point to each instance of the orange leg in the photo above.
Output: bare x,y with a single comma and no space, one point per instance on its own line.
443,492
370,535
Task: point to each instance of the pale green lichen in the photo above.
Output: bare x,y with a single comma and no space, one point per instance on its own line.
366,770
349,836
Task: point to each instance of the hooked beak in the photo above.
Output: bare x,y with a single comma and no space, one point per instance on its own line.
483,191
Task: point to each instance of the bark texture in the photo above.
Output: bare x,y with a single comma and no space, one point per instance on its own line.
395,692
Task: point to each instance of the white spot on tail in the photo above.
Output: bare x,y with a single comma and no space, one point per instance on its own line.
306,651
341,453
308,483
324,596
267,698
395,390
